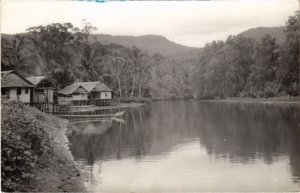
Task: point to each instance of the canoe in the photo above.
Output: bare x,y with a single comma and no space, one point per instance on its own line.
118,114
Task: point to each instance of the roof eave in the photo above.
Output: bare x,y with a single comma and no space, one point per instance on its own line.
29,86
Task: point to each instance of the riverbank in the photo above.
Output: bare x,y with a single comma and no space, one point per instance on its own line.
271,100
55,170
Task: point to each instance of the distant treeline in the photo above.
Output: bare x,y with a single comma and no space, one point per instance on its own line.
237,67
243,67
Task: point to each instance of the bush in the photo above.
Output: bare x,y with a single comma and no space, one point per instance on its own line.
271,89
23,141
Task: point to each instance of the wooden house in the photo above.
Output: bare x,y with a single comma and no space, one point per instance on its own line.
43,91
16,87
72,93
96,90
86,93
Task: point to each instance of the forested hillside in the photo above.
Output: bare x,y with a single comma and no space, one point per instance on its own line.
67,54
244,67
257,33
149,43
258,63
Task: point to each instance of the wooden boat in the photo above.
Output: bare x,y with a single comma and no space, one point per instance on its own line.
119,120
118,114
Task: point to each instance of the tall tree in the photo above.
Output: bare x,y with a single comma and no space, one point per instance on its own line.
117,64
144,75
136,58
261,81
293,40
90,60
244,48
54,43
87,29
18,54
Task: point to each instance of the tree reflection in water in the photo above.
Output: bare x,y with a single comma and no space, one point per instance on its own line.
237,132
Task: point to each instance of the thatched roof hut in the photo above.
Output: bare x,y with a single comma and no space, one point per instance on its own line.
12,79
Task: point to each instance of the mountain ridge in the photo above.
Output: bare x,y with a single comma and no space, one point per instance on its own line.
150,43
258,32
159,44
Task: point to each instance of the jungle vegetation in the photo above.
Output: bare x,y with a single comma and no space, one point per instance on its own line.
237,67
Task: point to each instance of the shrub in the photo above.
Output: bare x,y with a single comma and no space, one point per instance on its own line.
23,141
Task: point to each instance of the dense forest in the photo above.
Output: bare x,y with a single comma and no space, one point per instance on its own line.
66,54
238,67
244,67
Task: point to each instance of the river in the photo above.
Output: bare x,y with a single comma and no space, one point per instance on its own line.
192,146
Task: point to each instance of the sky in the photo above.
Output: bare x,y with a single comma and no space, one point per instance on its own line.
191,23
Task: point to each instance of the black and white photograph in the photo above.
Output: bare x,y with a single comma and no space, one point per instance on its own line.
150,96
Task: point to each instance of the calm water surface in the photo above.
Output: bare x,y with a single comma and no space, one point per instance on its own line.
192,146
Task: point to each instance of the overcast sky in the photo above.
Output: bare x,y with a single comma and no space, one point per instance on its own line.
191,23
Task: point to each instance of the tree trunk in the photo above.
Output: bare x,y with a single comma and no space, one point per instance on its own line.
126,91
120,89
133,84
140,90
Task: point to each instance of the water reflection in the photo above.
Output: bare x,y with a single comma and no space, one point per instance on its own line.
218,135
250,131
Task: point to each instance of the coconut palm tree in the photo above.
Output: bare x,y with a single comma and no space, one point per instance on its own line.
90,61
117,63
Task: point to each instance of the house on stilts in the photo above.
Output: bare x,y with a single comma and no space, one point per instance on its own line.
43,90
86,93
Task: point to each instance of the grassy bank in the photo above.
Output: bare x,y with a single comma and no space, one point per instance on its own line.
35,154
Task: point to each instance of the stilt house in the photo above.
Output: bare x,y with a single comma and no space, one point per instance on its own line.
43,91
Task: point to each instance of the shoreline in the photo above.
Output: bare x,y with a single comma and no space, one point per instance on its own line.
273,100
55,169
60,173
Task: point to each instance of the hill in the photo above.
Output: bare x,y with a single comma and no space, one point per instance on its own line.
259,32
150,43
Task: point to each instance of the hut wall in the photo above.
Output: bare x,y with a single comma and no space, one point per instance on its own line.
105,95
22,97
46,96
49,93
39,97
96,95
79,97
13,94
64,100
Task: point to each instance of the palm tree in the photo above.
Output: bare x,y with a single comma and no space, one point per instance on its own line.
136,61
89,59
117,62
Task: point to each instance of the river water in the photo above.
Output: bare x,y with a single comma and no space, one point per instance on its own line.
192,146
